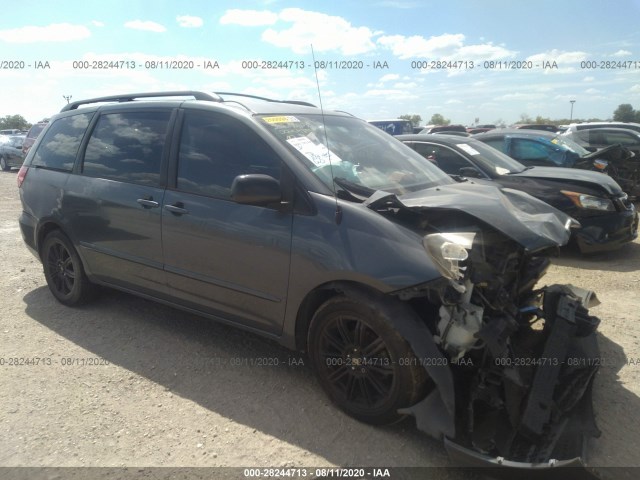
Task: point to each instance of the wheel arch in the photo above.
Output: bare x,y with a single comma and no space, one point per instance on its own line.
319,295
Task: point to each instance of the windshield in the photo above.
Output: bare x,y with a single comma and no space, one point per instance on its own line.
491,159
570,145
357,152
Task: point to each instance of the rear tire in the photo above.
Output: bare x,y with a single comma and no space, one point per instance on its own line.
363,363
64,271
3,164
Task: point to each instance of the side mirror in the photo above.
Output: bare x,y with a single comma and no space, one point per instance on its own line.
470,172
255,189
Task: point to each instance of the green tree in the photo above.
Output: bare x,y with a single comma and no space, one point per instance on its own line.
14,121
414,119
624,113
524,118
437,119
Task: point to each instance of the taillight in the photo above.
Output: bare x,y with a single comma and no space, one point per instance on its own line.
22,174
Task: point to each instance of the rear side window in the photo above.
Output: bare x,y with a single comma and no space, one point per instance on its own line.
59,147
215,148
127,147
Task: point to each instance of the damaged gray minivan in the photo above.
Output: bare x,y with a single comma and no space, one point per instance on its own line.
413,295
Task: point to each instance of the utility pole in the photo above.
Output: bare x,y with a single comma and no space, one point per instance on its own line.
571,116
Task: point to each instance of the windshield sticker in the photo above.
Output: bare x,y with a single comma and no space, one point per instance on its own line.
555,141
281,119
502,171
317,153
469,149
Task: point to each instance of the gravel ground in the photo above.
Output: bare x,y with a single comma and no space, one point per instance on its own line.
124,382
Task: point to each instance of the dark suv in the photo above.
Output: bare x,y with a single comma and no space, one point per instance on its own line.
411,293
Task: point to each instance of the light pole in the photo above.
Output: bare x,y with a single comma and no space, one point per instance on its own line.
67,98
571,116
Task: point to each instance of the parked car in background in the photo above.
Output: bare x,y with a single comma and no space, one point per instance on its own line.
10,131
32,134
593,139
479,129
395,126
537,148
11,151
537,126
608,219
576,127
443,128
414,295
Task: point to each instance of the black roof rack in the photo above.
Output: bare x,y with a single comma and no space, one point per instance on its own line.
132,96
293,102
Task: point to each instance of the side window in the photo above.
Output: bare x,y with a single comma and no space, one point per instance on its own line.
623,138
528,150
59,147
216,148
446,159
497,143
127,147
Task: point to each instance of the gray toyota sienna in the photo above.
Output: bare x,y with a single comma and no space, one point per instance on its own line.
412,294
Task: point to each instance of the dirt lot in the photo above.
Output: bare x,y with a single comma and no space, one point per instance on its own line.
127,382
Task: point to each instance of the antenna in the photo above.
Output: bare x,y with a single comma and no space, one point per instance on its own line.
326,141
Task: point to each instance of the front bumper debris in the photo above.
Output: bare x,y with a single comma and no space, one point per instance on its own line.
528,405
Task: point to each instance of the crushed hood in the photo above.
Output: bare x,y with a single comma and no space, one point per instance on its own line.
590,179
530,222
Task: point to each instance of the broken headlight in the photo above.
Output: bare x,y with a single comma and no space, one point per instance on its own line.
448,250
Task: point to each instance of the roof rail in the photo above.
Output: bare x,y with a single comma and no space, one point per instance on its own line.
132,96
293,102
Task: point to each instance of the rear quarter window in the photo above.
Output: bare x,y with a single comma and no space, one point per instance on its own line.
59,146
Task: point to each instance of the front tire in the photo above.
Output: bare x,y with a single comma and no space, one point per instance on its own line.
63,270
363,363
3,164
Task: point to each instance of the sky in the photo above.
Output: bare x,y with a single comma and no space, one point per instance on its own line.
471,61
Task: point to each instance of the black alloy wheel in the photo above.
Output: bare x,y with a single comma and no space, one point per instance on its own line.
362,362
63,270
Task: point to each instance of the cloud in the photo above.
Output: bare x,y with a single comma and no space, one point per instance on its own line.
388,77
559,56
441,47
324,32
189,21
97,23
57,32
248,18
588,79
635,88
145,25
621,53
592,91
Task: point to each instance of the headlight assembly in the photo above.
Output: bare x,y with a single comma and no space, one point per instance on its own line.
590,202
448,250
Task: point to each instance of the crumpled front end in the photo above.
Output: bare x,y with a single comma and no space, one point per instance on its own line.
511,366
523,391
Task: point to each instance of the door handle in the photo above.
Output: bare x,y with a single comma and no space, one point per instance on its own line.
177,208
148,202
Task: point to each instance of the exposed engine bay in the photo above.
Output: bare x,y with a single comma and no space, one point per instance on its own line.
512,366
